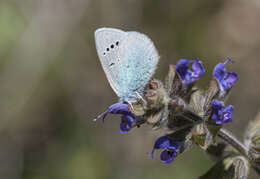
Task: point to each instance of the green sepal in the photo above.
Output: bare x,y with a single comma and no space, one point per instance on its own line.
202,136
231,167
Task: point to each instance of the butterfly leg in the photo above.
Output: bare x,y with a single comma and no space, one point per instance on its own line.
131,106
140,97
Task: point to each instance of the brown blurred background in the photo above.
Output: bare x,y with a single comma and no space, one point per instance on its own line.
52,84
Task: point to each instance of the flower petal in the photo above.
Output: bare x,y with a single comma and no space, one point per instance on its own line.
117,108
187,75
126,123
174,146
231,79
228,114
225,79
161,143
182,67
198,70
217,107
221,114
167,156
219,71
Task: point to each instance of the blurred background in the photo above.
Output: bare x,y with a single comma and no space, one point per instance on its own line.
52,84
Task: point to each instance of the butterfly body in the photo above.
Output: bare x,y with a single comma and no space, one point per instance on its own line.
129,60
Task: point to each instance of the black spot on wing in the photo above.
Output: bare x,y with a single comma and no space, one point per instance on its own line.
111,64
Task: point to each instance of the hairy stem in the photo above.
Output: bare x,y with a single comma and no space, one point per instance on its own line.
228,137
240,147
233,141
224,134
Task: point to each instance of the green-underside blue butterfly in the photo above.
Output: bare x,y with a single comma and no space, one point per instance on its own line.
129,60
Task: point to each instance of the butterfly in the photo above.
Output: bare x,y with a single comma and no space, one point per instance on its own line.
129,60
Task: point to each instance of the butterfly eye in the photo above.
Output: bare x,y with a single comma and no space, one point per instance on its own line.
112,46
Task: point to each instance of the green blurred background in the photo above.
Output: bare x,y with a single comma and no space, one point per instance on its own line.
52,84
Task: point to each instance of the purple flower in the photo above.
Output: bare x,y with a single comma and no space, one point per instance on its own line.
127,118
190,76
168,156
126,123
225,79
170,149
117,108
221,114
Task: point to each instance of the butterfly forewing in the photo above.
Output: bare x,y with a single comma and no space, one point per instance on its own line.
108,42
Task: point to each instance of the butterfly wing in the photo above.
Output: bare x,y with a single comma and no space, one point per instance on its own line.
108,42
139,59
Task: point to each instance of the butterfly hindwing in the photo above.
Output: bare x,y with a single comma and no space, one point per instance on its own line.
139,60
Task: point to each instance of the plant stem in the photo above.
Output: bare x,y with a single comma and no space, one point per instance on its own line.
240,147
228,137
225,135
